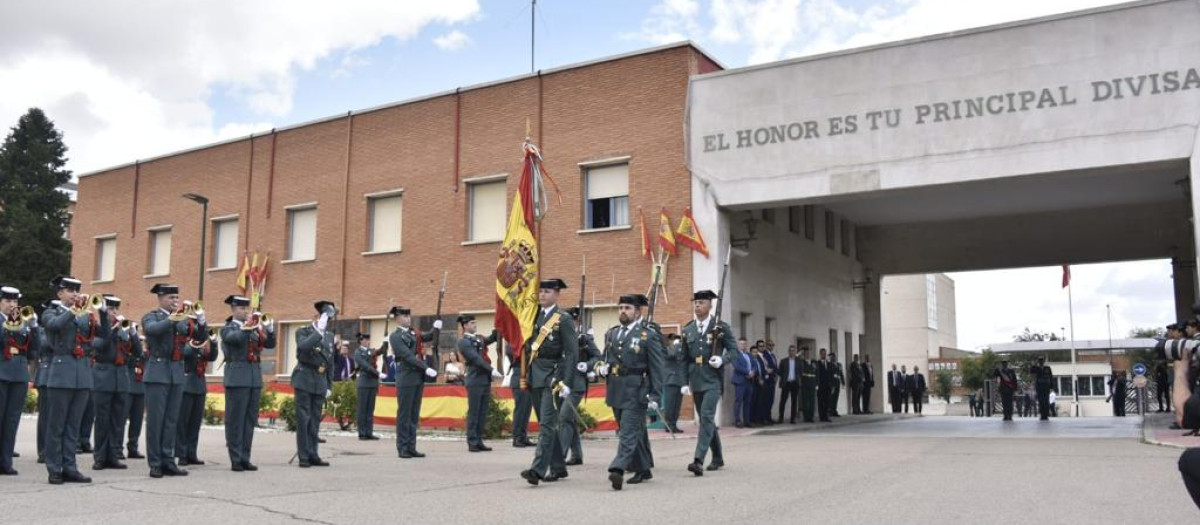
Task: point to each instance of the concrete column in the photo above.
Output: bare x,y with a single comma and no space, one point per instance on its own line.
1190,251
872,341
1183,269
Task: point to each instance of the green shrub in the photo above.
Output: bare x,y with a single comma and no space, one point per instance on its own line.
31,401
268,402
211,415
587,422
287,412
341,404
497,419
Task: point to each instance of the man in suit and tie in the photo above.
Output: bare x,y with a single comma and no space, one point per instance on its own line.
770,377
824,386
868,383
856,385
743,384
757,414
789,384
916,388
905,392
895,384
344,364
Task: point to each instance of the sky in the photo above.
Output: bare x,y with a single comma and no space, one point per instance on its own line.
126,79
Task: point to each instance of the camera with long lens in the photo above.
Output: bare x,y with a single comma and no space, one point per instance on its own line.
1177,349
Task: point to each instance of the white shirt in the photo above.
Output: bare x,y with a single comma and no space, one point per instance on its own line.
703,325
1053,397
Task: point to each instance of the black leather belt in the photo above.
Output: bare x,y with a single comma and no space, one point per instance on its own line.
626,372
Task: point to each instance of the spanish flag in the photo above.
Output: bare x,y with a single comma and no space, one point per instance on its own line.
517,267
689,234
243,268
646,252
665,238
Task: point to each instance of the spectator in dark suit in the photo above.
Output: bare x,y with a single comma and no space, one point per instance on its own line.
825,381
743,384
789,384
904,392
916,388
895,385
757,415
343,363
868,383
856,386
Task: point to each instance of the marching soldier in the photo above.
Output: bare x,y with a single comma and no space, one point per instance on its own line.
171,336
109,385
135,399
243,339
367,384
706,342
549,355
73,331
1008,384
473,349
589,357
411,371
18,341
808,385
634,368
676,378
195,393
311,382
1043,380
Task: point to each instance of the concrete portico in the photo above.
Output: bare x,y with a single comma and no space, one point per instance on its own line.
1064,140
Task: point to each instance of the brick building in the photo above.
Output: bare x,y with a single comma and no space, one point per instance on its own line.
375,205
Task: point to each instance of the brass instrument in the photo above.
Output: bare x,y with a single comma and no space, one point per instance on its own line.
85,304
18,319
122,323
184,311
259,320
197,310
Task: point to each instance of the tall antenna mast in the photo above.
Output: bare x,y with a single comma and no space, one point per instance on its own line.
532,33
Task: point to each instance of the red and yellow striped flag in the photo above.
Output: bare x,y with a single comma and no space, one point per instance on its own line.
517,267
645,237
666,239
689,234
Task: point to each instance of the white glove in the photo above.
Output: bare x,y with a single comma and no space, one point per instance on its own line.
652,406
566,391
201,319
103,306
715,361
591,332
437,325
581,367
591,376
328,393
496,374
34,321
685,390
602,369
429,372
322,322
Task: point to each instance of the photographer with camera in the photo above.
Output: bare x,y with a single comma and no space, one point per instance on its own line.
1182,352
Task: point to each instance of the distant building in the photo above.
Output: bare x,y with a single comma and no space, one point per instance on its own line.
1095,363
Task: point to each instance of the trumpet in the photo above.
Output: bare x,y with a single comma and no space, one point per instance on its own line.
186,310
122,323
85,303
259,319
197,310
18,319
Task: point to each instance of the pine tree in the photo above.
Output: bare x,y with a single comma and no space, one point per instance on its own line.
33,212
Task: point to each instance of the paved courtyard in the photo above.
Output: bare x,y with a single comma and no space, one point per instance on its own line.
926,470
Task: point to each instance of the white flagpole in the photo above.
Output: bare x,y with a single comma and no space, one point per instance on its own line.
1074,369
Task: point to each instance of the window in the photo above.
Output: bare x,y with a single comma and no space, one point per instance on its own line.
487,205
225,243
160,252
302,234
1088,386
829,240
384,227
106,258
768,216
845,226
743,325
770,329
1064,386
794,218
810,226
931,307
833,340
607,191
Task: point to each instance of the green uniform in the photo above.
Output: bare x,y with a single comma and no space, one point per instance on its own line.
578,381
705,381
636,362
808,388
553,362
410,385
310,381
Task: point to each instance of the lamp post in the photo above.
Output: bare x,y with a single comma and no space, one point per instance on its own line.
203,201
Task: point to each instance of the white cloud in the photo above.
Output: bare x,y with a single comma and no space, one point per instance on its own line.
669,21
125,79
452,41
778,29
994,306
